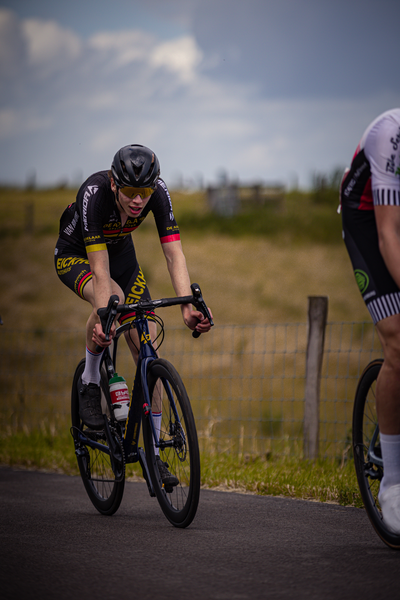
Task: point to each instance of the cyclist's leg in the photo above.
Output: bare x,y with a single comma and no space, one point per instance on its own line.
388,412
134,285
130,277
388,384
382,298
88,295
132,339
74,271
135,289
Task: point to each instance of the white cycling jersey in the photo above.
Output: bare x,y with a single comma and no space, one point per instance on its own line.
374,176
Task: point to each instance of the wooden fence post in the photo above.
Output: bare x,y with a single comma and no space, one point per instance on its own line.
317,316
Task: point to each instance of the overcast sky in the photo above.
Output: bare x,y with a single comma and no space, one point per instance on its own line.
271,90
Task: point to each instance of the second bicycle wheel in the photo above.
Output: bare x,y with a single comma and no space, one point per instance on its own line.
179,446
367,451
103,479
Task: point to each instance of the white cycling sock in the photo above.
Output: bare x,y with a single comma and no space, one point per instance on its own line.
91,373
390,446
157,425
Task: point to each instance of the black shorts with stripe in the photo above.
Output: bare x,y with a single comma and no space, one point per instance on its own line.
73,269
379,291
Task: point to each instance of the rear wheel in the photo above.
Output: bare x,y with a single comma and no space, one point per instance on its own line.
179,445
103,478
367,451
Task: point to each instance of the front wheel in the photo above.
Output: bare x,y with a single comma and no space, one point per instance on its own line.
367,451
103,478
179,448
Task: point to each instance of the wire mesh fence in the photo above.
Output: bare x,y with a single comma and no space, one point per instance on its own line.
246,383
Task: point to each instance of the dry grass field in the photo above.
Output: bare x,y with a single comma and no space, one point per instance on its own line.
257,270
246,278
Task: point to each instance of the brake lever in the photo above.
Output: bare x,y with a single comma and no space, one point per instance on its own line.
108,314
201,305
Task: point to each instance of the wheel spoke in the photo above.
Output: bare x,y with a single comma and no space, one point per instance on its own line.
104,489
180,449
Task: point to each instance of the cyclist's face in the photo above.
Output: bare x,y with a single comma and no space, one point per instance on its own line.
129,206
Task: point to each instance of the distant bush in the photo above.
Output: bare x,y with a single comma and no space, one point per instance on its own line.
301,219
325,188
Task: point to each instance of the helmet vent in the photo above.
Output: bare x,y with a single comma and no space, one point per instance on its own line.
137,169
123,166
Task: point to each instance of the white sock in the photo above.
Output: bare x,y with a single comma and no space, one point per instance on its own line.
157,426
390,446
91,373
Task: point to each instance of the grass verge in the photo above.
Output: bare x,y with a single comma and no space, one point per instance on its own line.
322,480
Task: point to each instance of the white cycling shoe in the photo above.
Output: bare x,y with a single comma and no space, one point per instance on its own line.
390,505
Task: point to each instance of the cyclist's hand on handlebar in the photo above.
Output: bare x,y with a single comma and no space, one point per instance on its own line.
104,331
195,320
99,337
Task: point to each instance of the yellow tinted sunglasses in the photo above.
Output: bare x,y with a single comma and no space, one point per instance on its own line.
132,192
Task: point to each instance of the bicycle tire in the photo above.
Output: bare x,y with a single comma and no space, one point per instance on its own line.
369,474
104,485
179,504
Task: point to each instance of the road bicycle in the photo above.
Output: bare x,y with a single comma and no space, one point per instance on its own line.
367,450
102,455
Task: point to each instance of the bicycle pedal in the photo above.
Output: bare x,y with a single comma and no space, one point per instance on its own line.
168,488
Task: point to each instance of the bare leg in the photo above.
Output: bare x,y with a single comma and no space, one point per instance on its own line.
388,410
388,384
91,373
88,293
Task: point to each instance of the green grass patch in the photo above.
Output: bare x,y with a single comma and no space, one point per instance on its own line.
323,480
44,449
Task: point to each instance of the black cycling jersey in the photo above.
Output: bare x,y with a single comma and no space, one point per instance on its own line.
93,222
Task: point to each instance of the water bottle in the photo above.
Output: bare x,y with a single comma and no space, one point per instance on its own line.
119,397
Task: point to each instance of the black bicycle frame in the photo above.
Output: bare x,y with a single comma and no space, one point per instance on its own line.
133,422
140,392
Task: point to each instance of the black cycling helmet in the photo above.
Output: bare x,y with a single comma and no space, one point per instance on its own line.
135,166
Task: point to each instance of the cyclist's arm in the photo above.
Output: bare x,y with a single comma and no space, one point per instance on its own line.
388,226
180,280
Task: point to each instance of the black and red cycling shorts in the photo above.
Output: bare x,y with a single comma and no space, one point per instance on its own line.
73,269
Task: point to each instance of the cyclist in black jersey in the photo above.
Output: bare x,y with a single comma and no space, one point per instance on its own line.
95,256
370,203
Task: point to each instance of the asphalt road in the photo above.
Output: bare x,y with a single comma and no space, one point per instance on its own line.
54,544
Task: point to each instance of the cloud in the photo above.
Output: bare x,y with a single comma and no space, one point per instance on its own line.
202,100
105,91
49,45
13,45
21,122
53,70
124,48
181,56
